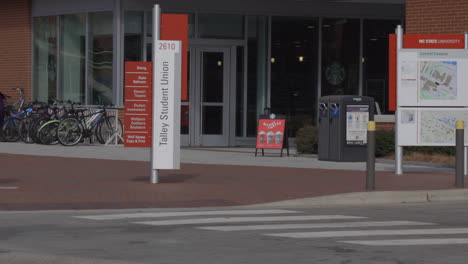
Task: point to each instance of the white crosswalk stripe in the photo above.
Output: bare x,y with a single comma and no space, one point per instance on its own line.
320,225
410,242
355,233
277,221
190,213
246,219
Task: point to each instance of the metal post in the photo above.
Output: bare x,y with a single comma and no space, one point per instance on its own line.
465,163
460,154
370,179
156,26
398,148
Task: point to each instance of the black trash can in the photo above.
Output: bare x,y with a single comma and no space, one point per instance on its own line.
343,127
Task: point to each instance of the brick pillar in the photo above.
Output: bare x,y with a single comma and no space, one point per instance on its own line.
15,46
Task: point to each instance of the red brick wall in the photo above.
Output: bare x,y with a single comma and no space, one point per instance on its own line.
436,16
15,46
385,126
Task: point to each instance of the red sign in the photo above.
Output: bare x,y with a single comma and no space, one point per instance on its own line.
138,103
270,133
416,41
138,107
142,140
175,27
420,41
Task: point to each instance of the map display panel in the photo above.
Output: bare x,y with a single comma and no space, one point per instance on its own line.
433,78
438,80
438,126
429,126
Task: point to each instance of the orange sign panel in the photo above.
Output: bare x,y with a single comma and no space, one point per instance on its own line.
175,27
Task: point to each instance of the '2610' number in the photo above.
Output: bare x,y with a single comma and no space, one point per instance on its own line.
167,46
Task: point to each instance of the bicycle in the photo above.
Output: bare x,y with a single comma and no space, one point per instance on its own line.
72,130
47,128
10,126
11,121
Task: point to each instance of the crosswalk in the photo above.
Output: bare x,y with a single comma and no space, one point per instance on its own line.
350,229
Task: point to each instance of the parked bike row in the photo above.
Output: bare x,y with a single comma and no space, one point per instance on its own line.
67,123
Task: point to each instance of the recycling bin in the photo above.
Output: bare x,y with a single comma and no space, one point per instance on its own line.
343,127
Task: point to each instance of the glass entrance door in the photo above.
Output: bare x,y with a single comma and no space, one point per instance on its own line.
210,70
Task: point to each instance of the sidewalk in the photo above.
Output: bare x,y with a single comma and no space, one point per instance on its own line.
97,177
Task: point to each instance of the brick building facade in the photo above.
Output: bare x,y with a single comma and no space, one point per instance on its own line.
436,17
15,46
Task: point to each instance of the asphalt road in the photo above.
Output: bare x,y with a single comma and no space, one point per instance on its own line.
407,233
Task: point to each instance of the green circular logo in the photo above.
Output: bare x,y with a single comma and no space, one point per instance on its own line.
335,73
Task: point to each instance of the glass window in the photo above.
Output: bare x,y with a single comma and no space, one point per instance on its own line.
45,59
133,43
340,56
375,66
220,26
72,57
240,92
257,71
294,60
100,57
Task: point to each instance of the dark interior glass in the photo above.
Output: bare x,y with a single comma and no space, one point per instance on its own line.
294,70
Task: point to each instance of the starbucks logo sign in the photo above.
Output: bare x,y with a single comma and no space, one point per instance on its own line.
335,73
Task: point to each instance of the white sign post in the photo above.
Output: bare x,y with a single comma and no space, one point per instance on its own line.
167,63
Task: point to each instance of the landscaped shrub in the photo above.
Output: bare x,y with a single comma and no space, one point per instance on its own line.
385,145
385,142
447,151
306,140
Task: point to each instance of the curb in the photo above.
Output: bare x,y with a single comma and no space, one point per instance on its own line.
374,198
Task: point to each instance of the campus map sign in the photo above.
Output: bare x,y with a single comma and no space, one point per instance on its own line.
432,78
431,92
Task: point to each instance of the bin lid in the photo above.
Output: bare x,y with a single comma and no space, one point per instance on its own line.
355,99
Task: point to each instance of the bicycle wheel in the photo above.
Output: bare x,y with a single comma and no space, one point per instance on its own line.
107,128
69,132
10,130
34,128
48,133
24,130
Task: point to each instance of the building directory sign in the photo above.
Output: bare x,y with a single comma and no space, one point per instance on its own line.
138,86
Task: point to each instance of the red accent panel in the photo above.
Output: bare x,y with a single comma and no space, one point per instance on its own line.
175,27
392,66
422,41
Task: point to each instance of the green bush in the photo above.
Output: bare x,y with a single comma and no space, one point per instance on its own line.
447,151
385,145
306,140
385,142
